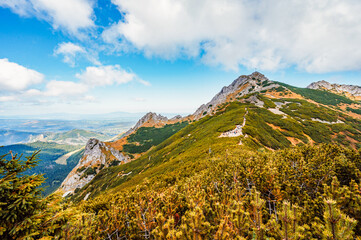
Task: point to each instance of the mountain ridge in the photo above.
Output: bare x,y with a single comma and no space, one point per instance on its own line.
351,91
257,113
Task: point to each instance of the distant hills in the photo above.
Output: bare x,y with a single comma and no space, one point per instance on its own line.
8,137
110,127
124,116
72,137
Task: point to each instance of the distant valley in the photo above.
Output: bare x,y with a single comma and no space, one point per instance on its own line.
60,143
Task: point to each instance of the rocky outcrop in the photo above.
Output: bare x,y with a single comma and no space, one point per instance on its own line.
149,120
243,85
351,91
177,117
97,155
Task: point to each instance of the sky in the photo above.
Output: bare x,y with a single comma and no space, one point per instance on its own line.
166,56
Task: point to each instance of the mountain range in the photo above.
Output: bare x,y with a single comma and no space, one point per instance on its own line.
260,160
253,112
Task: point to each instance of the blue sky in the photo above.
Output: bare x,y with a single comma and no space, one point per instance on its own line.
168,56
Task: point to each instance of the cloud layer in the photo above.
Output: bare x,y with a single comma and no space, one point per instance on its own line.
315,36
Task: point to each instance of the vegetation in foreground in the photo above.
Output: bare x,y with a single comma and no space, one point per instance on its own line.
54,173
305,192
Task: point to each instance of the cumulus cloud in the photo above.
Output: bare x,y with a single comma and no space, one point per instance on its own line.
316,36
14,77
71,51
69,15
55,90
107,75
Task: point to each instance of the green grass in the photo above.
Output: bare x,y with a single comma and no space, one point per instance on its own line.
357,111
200,140
146,137
319,96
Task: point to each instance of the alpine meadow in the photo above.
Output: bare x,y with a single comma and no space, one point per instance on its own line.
120,120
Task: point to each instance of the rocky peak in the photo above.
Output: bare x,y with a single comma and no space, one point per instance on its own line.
177,117
243,85
96,155
149,120
351,91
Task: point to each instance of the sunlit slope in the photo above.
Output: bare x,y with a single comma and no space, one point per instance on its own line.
240,125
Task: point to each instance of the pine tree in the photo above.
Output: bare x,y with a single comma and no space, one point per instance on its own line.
24,213
338,225
289,218
257,204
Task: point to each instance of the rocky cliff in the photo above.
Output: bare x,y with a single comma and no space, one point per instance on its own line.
351,91
243,85
97,155
149,120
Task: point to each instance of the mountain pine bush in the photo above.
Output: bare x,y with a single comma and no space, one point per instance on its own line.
305,192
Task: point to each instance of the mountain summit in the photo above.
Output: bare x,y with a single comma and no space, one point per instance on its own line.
245,84
150,119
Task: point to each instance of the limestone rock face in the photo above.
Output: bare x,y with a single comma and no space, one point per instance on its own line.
351,91
96,156
149,120
243,85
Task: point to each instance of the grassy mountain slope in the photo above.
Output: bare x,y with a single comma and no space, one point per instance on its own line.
301,122
146,137
324,97
252,112
214,197
260,161
99,155
204,176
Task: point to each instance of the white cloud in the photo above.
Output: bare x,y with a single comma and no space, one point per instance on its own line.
71,51
146,83
7,98
69,15
56,88
17,80
64,88
106,75
317,36
21,7
14,77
